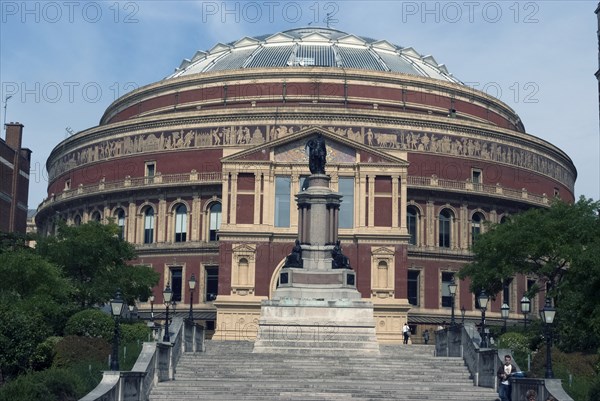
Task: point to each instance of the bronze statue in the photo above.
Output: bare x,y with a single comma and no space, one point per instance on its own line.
294,259
339,260
317,153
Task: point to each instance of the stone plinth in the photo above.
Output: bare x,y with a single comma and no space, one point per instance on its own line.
310,326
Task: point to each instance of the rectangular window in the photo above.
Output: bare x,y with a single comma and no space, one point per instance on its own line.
444,240
506,292
346,189
476,176
176,282
212,283
150,172
180,227
446,297
411,223
149,227
282,201
413,287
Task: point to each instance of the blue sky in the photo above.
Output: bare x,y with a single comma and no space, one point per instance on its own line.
64,62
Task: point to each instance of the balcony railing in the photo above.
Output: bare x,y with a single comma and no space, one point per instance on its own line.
484,189
157,180
194,177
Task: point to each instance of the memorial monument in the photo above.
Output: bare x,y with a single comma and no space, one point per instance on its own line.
316,307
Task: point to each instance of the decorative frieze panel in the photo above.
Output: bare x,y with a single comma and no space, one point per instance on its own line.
472,146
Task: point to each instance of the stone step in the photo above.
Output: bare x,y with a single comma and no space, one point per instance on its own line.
231,371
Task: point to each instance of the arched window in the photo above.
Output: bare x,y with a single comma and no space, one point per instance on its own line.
180,223
120,215
77,220
412,219
382,273
214,221
476,223
96,216
243,269
446,217
149,226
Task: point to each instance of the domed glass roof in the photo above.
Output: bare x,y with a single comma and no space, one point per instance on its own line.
314,47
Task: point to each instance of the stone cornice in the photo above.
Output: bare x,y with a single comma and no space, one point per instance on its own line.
309,115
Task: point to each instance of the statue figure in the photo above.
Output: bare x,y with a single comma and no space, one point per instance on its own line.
294,259
340,261
316,155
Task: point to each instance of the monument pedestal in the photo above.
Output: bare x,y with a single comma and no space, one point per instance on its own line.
316,308
312,326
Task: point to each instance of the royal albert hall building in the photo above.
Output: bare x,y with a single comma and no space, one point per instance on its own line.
200,171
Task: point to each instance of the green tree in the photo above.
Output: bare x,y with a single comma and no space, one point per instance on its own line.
539,242
96,260
559,245
34,304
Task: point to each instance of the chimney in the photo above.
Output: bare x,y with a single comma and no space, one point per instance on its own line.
14,135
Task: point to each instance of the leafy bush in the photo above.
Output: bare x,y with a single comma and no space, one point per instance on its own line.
134,332
91,323
44,353
519,344
72,350
20,334
48,385
594,392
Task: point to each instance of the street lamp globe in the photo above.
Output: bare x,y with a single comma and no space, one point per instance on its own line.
452,289
525,308
116,307
192,282
483,299
167,296
504,310
547,315
116,304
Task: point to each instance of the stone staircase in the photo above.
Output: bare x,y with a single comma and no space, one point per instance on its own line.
228,370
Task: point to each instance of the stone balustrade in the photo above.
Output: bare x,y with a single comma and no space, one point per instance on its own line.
156,363
483,363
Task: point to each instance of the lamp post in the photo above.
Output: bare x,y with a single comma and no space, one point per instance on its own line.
116,307
452,289
525,308
463,311
483,301
547,314
167,295
192,285
504,309
151,299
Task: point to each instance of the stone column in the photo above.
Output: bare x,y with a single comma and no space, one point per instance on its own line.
362,202
196,213
464,227
430,219
130,226
224,200
257,181
403,204
294,189
395,198
371,200
161,219
234,183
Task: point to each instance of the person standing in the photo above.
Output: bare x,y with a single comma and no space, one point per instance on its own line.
504,372
406,333
426,336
